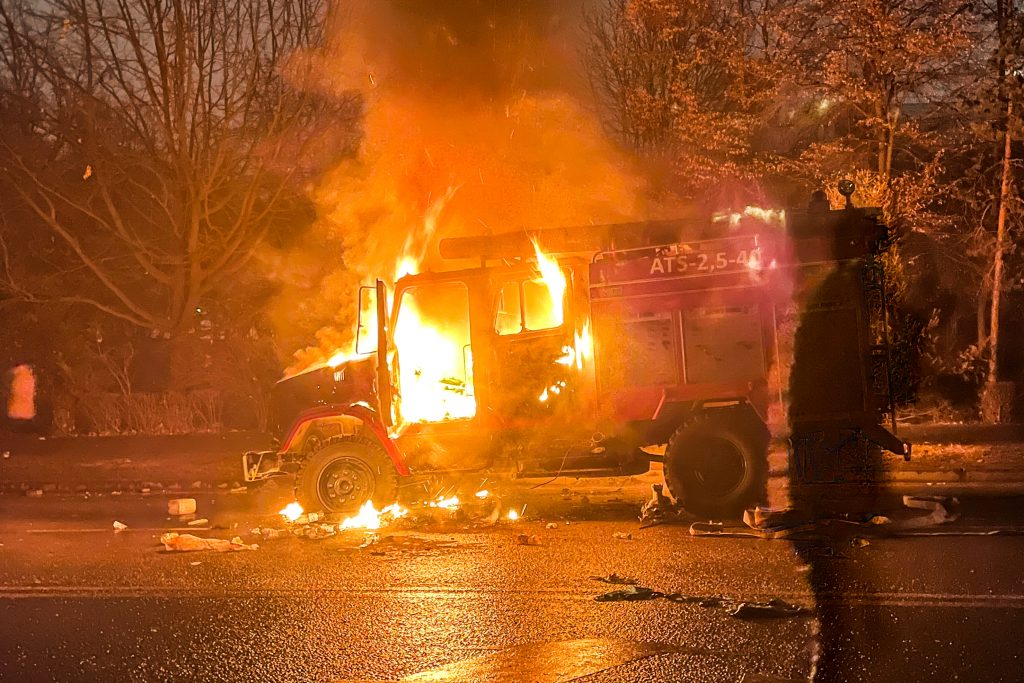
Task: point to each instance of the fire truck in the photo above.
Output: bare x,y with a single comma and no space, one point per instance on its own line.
595,351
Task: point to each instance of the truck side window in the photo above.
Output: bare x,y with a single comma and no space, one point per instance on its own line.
526,306
509,317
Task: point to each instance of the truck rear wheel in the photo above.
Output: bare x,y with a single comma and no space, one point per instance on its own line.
717,463
346,472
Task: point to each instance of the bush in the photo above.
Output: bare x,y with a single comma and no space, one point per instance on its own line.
150,413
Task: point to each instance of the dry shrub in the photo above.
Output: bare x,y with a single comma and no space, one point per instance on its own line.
167,412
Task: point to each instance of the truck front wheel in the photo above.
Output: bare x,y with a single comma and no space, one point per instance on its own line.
717,463
344,473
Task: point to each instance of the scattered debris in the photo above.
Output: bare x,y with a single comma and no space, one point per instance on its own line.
615,579
512,515
34,493
7,454
308,518
741,609
268,533
187,543
384,545
118,526
623,535
527,539
772,609
315,532
202,521
858,542
177,507
632,593
194,564
239,489
937,505
551,525
659,508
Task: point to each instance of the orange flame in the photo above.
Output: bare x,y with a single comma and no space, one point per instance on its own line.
369,518
554,279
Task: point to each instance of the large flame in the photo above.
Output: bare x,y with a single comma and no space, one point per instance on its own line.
435,369
554,280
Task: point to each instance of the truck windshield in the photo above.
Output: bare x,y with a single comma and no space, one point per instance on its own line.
433,360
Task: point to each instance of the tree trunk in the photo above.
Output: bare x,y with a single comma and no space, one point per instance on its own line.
992,400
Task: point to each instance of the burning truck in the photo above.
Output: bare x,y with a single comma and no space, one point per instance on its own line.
595,351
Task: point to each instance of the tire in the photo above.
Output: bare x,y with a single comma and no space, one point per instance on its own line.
717,463
346,472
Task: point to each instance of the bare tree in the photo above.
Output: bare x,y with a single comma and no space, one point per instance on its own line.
1005,109
156,141
690,81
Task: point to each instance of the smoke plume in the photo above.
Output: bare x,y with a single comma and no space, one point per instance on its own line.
476,121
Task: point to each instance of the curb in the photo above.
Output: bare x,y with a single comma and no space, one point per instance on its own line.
135,487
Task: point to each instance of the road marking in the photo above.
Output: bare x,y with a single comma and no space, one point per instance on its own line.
108,529
550,662
981,600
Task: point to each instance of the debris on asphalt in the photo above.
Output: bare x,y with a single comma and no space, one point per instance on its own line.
194,564
741,609
188,543
938,506
7,454
239,489
632,593
202,521
268,533
623,535
118,526
551,525
308,518
34,493
858,542
316,532
879,520
177,507
384,545
527,539
772,609
615,579
659,508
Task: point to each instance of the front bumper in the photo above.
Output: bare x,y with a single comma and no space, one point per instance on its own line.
263,465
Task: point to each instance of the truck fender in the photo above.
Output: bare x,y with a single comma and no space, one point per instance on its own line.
361,412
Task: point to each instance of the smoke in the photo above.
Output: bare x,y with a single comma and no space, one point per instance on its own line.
476,121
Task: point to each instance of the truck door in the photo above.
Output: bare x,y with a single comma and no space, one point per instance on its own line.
532,329
431,361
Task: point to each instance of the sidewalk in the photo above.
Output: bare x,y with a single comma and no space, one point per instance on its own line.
970,457
947,459
124,463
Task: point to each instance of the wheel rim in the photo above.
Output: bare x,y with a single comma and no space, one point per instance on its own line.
345,483
719,467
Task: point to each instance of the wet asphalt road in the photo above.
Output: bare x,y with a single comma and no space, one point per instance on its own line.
454,602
